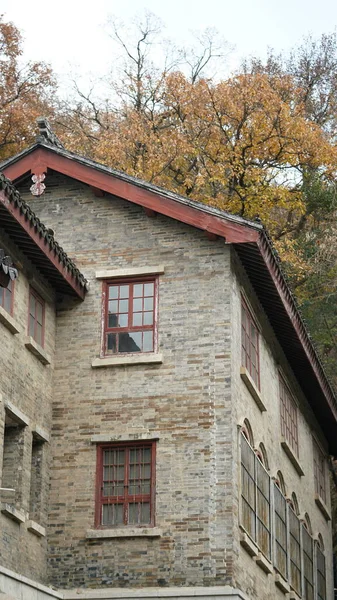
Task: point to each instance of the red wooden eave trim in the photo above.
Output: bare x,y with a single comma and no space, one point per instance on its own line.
42,158
42,244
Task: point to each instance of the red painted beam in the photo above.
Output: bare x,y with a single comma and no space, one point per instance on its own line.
232,232
42,244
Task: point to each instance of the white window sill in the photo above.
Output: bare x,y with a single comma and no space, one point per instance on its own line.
293,595
281,583
254,391
248,543
323,507
35,528
13,513
94,534
127,359
292,456
264,563
8,321
37,350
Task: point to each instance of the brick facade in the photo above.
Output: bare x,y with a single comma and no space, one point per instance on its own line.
191,403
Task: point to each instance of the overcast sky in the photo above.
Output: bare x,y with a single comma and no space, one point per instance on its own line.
70,34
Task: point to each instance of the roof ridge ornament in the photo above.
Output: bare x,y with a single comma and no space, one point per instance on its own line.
46,134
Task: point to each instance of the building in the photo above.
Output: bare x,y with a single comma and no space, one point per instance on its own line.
166,421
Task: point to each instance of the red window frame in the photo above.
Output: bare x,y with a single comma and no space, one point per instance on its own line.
319,472
250,344
129,327
288,413
125,499
32,312
7,297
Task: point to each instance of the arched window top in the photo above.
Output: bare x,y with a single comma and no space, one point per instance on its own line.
262,455
294,504
307,523
280,482
246,430
320,542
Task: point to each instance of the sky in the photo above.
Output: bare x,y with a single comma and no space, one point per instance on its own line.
72,34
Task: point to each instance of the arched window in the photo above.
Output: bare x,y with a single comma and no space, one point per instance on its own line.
246,430
294,544
280,482
262,455
308,558
320,569
281,527
255,495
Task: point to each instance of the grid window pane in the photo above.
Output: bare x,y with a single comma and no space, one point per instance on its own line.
288,410
6,297
250,345
308,565
36,317
295,551
281,554
126,480
321,577
130,317
319,472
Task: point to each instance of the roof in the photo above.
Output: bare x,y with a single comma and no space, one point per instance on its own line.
249,238
38,242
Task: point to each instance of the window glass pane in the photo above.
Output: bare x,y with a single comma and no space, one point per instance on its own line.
148,289
137,304
32,305
112,514
130,342
123,306
31,325
39,312
148,341
145,512
113,291
148,303
2,295
112,320
38,334
123,320
137,319
137,290
124,291
113,306
111,344
148,318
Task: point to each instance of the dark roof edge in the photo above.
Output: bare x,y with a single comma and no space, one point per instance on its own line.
305,335
205,208
14,197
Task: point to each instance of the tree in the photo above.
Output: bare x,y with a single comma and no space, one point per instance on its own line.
25,92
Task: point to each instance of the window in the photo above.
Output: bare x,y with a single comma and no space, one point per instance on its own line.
36,473
281,532
6,297
308,564
319,472
255,497
130,316
289,428
250,345
125,484
295,550
36,317
320,571
13,454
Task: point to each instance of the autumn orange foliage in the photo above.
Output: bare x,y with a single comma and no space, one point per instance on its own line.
25,92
